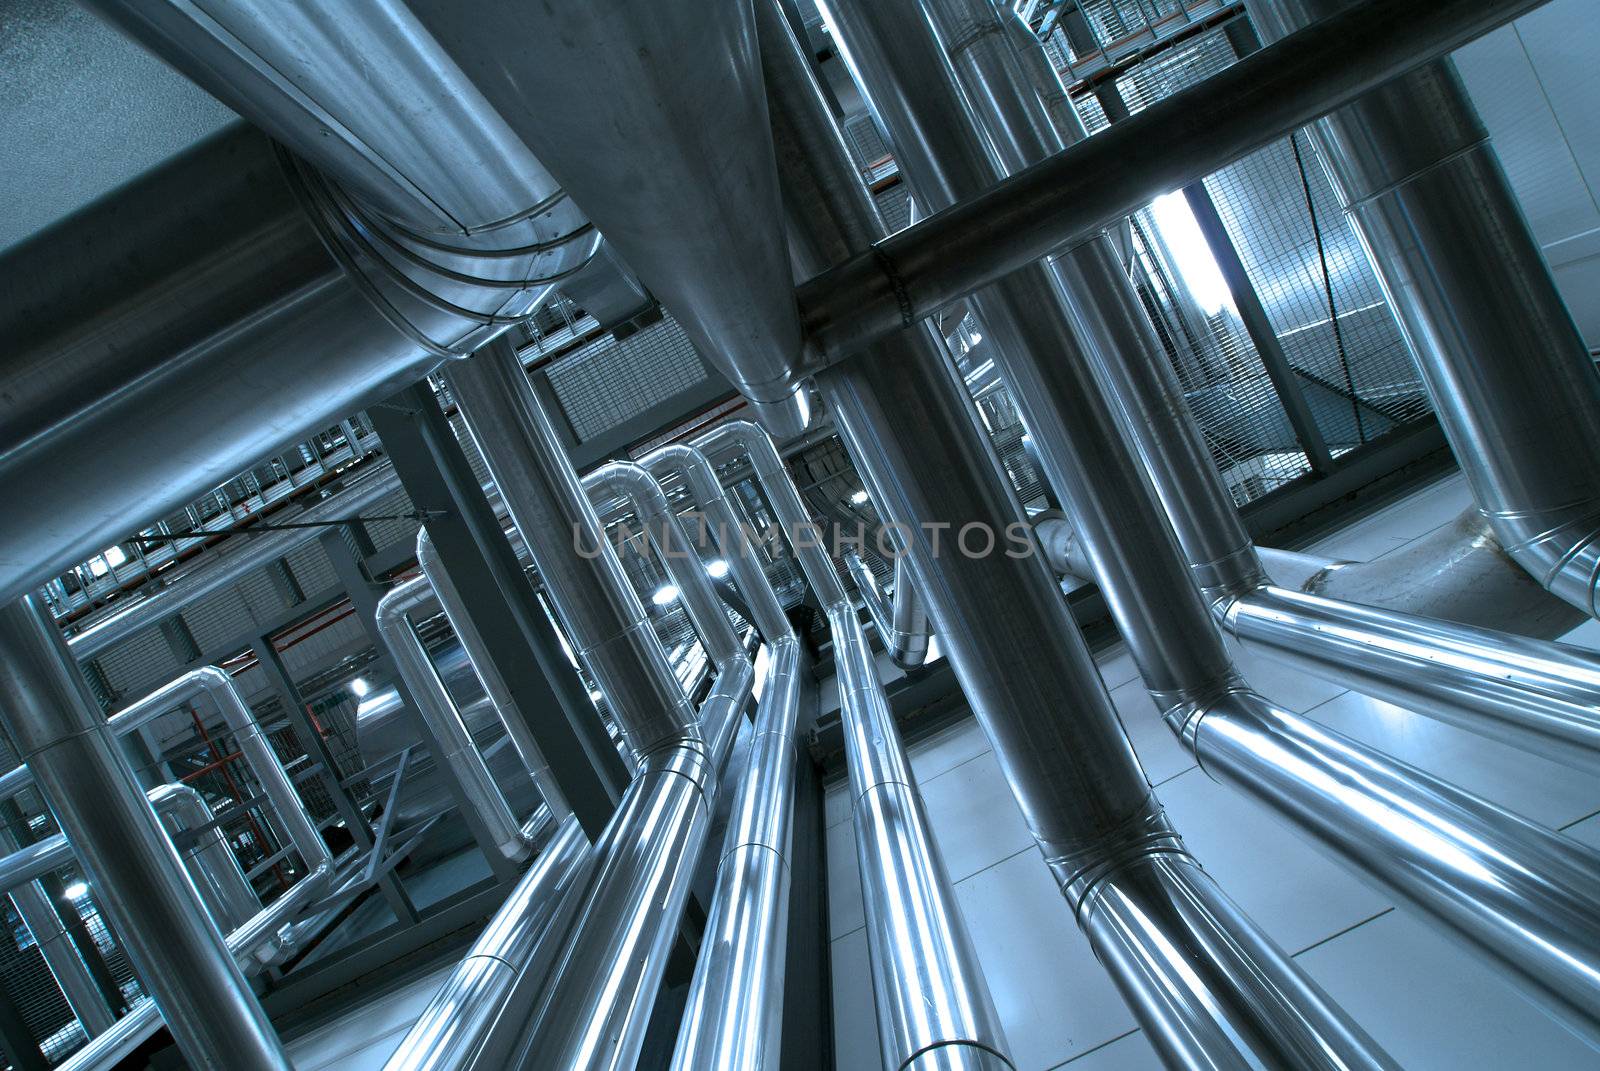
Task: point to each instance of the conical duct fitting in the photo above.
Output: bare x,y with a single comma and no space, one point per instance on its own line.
652,115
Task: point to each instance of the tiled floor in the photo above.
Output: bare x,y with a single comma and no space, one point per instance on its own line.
1430,1004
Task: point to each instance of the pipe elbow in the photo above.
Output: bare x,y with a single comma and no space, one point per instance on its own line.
1559,548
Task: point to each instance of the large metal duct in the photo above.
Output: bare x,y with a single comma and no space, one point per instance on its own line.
901,620
668,152
1505,366
1207,984
1394,822
143,888
1539,696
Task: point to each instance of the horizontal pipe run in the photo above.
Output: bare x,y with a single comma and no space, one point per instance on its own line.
1073,195
594,1009
1529,694
1524,897
733,1016
455,1029
485,808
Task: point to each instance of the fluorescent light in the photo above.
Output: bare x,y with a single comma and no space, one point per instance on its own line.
1195,262
718,569
98,566
115,556
594,695
859,498
76,891
361,687
976,338
665,595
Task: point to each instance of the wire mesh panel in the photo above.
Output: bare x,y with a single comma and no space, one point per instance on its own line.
606,382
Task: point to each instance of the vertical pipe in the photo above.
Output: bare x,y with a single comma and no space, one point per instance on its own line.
143,888
603,615
61,956
210,861
1206,984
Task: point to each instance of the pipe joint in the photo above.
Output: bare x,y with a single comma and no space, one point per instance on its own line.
1559,547
1081,869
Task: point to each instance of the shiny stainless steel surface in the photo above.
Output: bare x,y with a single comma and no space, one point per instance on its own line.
494,685
110,1049
930,991
906,416
901,622
595,1005
669,153
465,1025
484,806
733,1016
184,589
737,546
140,882
1509,373
62,958
1519,894
1534,695
604,618
212,865
682,562
1069,198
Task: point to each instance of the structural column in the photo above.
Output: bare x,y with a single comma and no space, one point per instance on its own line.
143,888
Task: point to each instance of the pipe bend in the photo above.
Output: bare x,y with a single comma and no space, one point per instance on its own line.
1559,547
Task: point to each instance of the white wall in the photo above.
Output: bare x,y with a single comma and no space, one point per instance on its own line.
1537,83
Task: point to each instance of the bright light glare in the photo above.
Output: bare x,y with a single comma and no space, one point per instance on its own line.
859,498
76,891
1195,262
594,695
665,595
115,556
360,687
976,338
718,569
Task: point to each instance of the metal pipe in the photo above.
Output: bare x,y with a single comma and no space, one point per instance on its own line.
1508,371
210,861
594,1006
142,885
494,684
673,162
902,625
605,620
733,1016
107,1051
731,535
485,808
914,436
660,521
921,269
491,984
62,958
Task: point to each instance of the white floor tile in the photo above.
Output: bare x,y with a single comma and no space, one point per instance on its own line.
1159,751
855,1024
947,749
1296,893
367,1036
1586,635
974,817
1398,523
1535,788
1130,1053
1435,1007
1053,997
1116,666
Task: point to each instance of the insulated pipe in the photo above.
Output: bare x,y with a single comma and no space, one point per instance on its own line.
903,624
1161,614
494,685
730,533
933,1006
918,271
484,806
491,983
1507,370
1538,696
61,956
607,623
1226,994
210,861
644,496
595,1004
673,160
142,886
733,1015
